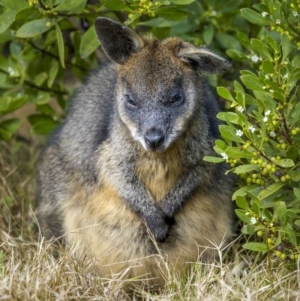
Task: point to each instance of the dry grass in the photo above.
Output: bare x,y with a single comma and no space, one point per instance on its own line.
33,269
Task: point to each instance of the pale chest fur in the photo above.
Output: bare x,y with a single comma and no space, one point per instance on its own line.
159,173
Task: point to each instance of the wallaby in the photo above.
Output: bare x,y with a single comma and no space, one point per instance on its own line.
124,178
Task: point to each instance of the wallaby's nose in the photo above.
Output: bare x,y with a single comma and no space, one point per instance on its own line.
154,138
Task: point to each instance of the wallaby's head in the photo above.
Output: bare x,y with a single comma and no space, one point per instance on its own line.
159,88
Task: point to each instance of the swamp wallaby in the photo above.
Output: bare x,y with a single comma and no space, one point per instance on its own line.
124,178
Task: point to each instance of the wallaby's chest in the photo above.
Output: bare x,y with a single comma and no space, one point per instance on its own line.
159,175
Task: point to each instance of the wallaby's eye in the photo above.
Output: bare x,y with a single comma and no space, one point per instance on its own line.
130,104
177,99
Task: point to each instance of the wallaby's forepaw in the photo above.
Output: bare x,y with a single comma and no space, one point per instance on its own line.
158,226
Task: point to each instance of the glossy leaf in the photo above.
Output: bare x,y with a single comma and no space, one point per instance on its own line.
116,5
181,2
223,92
285,163
89,42
5,135
241,202
60,45
14,4
245,168
10,125
34,28
252,82
268,67
213,159
261,48
286,46
7,18
254,17
270,190
68,5
256,246
171,13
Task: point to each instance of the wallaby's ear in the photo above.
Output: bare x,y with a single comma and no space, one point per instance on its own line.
117,40
202,59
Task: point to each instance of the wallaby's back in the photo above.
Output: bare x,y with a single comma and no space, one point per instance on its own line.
124,177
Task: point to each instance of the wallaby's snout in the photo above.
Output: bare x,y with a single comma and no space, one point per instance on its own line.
154,138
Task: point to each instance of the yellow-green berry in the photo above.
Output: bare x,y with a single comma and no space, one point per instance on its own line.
259,233
283,179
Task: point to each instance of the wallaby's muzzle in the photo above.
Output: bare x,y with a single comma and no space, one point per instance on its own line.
154,139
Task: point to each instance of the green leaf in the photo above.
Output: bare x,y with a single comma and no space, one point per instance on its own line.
254,17
227,41
5,135
297,222
223,92
229,117
295,76
261,48
228,133
280,212
10,125
171,13
296,61
42,98
4,103
286,163
60,45
181,2
9,104
43,124
243,39
295,175
296,192
52,73
291,234
68,5
241,214
221,144
248,229
14,4
245,168
270,190
272,43
268,67
252,82
89,42
286,46
236,153
25,13
161,33
7,18
236,55
116,5
241,202
213,159
208,34
256,246
40,78
159,22
292,152
242,191
34,28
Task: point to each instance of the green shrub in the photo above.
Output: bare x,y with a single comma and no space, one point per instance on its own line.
261,135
